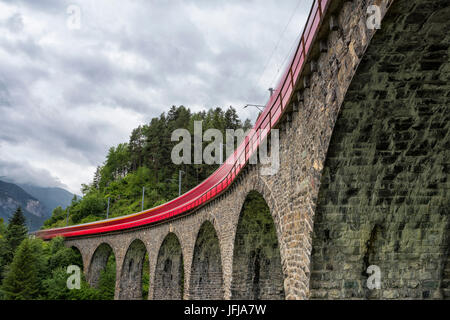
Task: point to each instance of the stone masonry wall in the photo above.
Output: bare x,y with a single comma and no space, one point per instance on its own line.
292,192
98,263
206,272
168,281
384,190
131,274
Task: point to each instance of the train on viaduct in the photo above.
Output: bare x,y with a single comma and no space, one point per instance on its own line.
363,114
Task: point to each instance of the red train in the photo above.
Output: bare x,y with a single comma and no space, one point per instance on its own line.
223,177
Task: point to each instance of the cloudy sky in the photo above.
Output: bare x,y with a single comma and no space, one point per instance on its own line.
77,76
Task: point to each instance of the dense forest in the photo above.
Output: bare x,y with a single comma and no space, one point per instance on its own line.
145,161
34,269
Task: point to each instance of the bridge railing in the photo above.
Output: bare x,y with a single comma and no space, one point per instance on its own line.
223,177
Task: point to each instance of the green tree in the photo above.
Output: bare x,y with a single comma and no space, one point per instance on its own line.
22,279
2,228
61,256
3,247
16,231
54,258
93,205
56,288
145,277
107,281
58,214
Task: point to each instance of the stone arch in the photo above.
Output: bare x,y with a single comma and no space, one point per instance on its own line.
386,165
79,258
130,283
206,278
99,263
257,272
169,272
258,184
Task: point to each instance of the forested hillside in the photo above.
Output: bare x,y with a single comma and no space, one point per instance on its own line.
145,161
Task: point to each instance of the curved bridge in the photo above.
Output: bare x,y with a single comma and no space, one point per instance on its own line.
363,180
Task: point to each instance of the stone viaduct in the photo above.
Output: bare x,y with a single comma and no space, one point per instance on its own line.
363,180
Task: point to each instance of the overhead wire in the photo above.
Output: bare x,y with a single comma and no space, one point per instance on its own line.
280,67
279,41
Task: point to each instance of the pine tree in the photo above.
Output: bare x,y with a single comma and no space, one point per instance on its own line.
97,177
3,247
22,279
107,280
17,218
15,233
2,228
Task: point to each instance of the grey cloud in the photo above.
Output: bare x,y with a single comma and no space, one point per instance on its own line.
24,173
4,95
15,23
27,48
58,135
73,72
42,5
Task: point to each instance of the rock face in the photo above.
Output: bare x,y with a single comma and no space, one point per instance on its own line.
49,197
12,196
35,207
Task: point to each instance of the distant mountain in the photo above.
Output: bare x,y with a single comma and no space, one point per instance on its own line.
12,196
37,202
50,197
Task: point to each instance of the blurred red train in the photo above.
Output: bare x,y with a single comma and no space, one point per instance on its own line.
222,178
